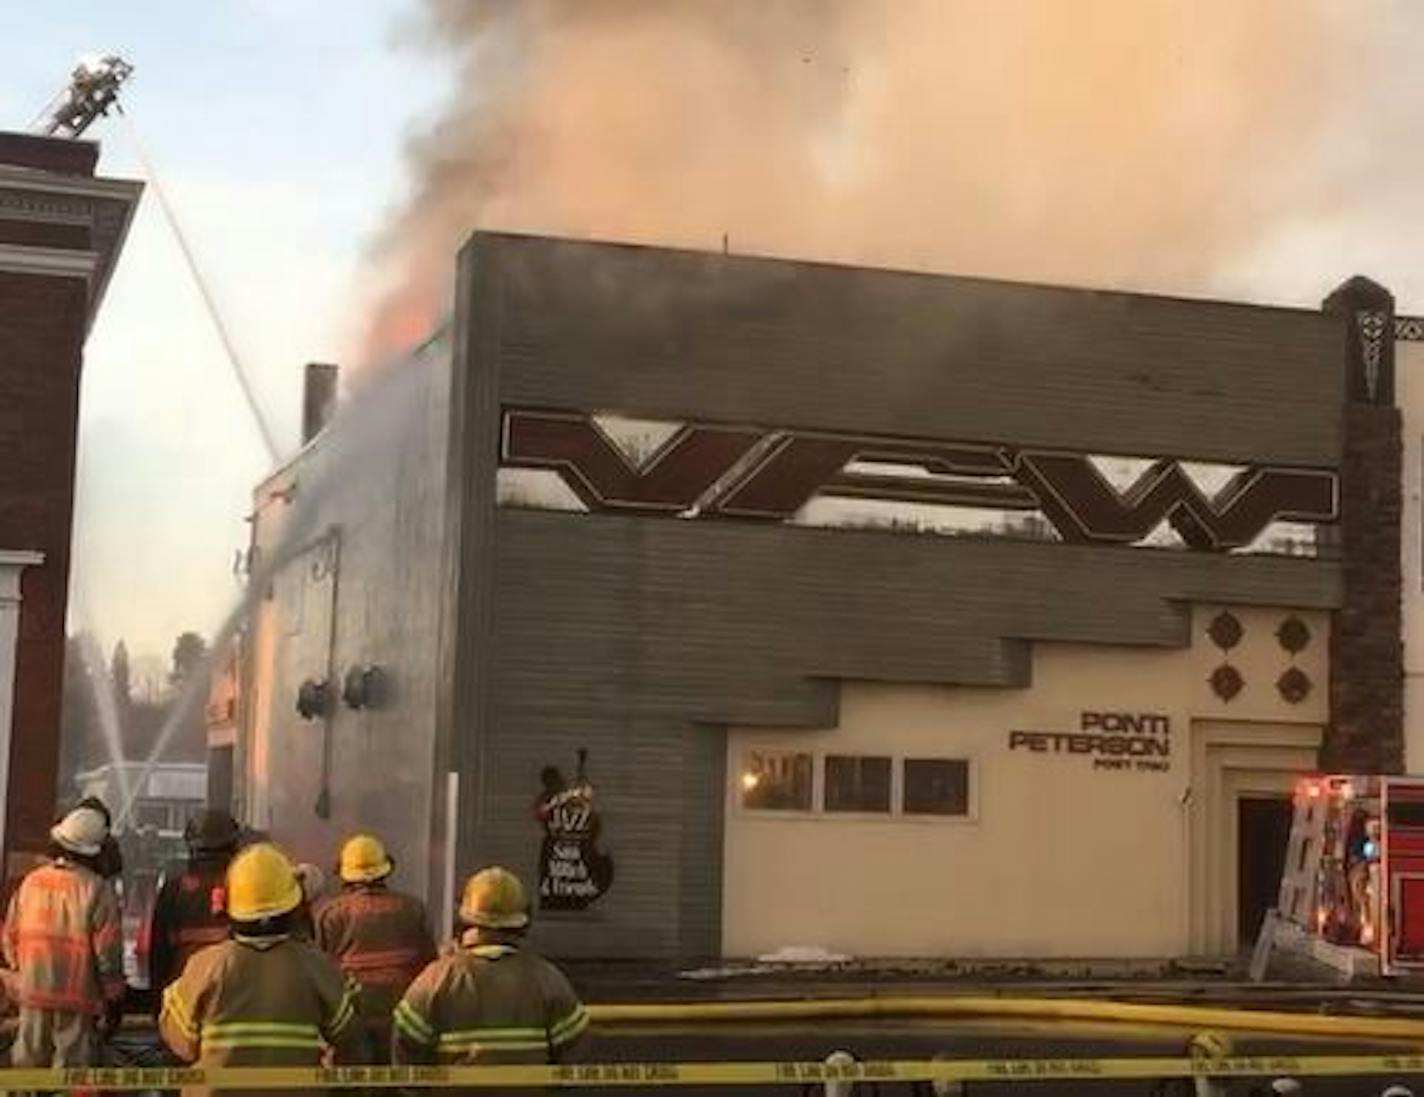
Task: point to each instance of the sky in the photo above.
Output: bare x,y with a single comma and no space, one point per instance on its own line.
276,129
1261,152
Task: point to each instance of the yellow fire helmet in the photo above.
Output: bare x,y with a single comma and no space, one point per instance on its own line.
364,858
495,899
261,884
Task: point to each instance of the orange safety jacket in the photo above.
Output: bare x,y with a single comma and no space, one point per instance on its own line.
189,913
381,938
64,940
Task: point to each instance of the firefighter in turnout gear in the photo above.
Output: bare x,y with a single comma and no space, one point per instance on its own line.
380,937
64,941
110,862
489,1000
190,911
262,997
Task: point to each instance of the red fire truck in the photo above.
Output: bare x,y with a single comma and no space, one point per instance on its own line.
1352,891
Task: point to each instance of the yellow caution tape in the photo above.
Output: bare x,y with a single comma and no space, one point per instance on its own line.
720,1073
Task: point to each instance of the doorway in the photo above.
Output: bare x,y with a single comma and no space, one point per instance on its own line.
1263,826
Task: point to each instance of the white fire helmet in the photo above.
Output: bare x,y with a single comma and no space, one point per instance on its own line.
81,832
839,1088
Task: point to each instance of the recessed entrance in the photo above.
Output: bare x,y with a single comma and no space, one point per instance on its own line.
1262,827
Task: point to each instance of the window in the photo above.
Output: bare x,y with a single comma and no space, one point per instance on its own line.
855,783
936,786
774,780
151,815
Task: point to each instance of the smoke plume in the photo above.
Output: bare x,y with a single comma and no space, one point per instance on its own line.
1126,143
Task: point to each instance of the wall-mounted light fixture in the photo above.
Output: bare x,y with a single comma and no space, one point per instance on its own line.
364,687
313,699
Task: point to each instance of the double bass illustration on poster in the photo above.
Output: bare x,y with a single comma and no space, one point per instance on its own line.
573,871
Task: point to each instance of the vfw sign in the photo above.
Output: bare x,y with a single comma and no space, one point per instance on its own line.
714,471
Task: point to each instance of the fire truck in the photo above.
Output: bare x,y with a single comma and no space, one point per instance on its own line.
1352,890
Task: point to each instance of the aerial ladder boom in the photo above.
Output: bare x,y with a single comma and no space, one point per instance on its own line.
93,88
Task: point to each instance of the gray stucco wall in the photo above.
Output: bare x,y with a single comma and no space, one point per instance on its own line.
641,638
374,483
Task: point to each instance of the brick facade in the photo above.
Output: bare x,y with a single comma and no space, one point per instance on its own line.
41,340
61,229
1366,730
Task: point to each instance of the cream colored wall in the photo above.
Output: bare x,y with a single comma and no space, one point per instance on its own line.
1409,395
12,564
1060,859
254,754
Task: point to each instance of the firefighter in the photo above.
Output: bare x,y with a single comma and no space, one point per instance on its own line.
489,1000
379,936
312,881
262,997
64,941
190,912
110,862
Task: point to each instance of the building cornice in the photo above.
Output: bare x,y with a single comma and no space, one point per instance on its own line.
78,186
52,262
107,205
11,564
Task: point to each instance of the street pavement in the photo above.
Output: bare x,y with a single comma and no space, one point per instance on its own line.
908,1039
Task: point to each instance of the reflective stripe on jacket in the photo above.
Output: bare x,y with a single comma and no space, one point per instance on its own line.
271,1001
381,938
64,939
488,1004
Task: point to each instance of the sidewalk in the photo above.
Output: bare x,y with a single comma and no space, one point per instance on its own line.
1167,982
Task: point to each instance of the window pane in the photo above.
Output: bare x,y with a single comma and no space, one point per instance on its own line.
857,784
936,786
774,780
151,815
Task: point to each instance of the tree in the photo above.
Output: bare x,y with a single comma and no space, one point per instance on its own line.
80,740
119,676
148,679
189,651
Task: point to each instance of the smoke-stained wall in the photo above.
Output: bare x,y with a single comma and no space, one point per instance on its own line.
640,639
347,545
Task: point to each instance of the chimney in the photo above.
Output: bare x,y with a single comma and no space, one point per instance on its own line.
318,398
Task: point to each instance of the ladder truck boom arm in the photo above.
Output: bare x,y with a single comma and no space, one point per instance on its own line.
93,88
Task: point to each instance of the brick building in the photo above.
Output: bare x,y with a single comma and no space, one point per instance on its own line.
61,230
799,593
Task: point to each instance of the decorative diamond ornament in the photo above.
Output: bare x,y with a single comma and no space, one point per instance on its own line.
1294,635
1225,630
1294,685
1226,681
